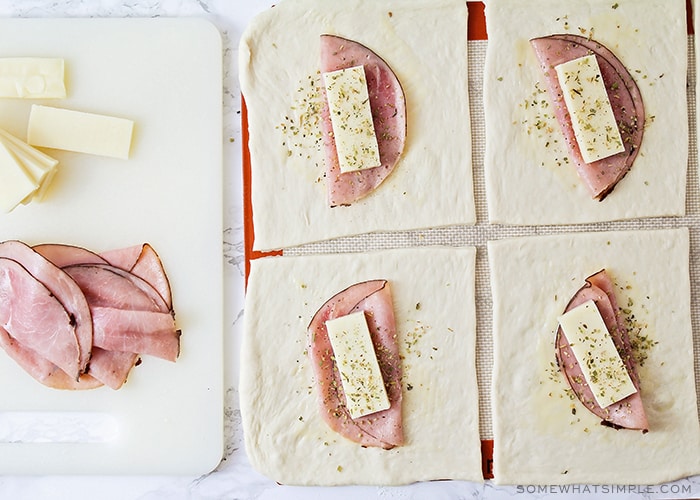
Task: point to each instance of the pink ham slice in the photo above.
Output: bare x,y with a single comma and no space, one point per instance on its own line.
43,370
628,413
149,267
67,255
388,105
62,287
381,429
112,368
105,285
144,262
601,176
32,315
144,332
124,258
128,314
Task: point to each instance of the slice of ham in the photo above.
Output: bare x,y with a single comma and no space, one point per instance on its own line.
629,412
388,105
112,368
144,262
32,315
66,255
62,287
149,267
109,286
381,429
43,370
600,176
124,258
144,332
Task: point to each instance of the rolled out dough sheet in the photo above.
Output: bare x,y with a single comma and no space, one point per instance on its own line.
529,176
433,292
541,435
279,63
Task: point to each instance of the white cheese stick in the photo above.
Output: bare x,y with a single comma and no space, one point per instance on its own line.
597,356
351,118
78,131
357,363
32,77
592,116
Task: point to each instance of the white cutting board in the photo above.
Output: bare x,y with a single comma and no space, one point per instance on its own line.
166,75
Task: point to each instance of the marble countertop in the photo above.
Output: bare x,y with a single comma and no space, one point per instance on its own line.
234,478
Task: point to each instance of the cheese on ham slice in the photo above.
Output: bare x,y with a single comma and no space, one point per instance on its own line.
388,106
600,176
380,429
629,412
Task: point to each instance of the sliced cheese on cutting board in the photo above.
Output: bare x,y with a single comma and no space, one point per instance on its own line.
15,182
165,75
32,77
73,130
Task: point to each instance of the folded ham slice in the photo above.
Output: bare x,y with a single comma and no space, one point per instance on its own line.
110,286
380,429
600,176
112,368
149,267
388,105
32,315
62,287
144,262
124,258
144,332
629,412
43,370
67,255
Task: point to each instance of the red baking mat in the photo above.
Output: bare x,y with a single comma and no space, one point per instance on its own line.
476,31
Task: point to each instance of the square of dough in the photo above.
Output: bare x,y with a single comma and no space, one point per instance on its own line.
529,177
279,64
433,294
543,436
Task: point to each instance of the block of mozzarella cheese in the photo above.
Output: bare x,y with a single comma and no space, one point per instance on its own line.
357,363
32,77
592,116
78,131
351,118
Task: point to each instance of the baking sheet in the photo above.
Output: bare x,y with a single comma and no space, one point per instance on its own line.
483,231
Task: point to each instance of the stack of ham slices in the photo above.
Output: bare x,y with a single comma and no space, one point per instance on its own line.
74,319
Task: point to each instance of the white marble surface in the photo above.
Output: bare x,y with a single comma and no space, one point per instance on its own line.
234,478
